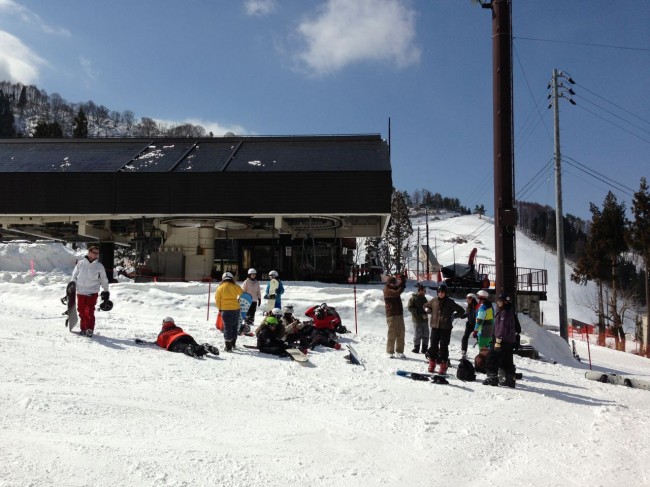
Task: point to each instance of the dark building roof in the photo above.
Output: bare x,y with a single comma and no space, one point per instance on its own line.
223,176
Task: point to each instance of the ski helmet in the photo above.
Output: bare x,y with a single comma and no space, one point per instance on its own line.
227,275
504,297
168,319
287,309
273,274
276,312
106,305
251,271
482,294
271,320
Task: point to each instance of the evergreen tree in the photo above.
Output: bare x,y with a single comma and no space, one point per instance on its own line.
399,229
22,99
80,129
46,129
639,238
7,128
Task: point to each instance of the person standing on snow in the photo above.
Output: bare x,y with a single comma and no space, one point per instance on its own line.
420,320
227,299
394,316
174,339
503,344
88,275
274,292
252,286
470,324
443,310
484,320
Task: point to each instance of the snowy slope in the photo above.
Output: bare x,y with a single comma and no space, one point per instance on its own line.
106,412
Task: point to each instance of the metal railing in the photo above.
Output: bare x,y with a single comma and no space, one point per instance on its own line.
528,279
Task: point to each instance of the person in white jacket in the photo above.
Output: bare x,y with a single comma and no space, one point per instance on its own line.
89,275
252,286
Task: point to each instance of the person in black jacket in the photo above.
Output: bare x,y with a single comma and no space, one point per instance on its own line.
420,320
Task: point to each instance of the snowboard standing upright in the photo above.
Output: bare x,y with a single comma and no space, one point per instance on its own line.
71,300
245,301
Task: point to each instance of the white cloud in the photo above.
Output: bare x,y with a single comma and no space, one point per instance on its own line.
87,67
18,63
259,7
351,31
29,17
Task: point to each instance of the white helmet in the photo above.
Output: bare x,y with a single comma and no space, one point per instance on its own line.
287,309
168,319
473,296
252,271
276,312
227,275
273,274
483,294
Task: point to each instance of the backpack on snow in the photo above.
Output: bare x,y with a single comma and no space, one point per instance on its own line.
465,371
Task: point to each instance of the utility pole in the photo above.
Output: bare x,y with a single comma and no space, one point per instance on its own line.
559,216
505,215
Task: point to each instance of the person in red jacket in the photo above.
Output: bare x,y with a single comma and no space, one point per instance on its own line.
174,339
326,320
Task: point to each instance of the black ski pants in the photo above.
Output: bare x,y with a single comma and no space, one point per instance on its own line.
464,342
439,345
500,358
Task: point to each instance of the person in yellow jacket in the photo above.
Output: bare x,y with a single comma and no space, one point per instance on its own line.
227,299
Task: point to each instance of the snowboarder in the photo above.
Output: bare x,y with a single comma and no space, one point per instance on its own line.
325,323
88,275
294,329
269,334
470,324
484,320
274,292
174,339
252,286
227,299
443,310
420,322
394,316
503,344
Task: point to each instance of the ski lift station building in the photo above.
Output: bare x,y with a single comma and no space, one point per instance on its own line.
193,208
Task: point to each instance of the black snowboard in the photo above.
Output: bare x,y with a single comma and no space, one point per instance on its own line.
71,300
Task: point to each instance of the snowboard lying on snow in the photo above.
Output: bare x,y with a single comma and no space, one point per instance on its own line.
292,353
435,378
620,380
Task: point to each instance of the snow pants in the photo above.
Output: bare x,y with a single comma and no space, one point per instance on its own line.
464,342
421,334
250,314
395,336
86,308
439,345
500,358
230,324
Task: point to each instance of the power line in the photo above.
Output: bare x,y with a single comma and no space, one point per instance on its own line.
612,103
600,177
612,123
614,114
590,44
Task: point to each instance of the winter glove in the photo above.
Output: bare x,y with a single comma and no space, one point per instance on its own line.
266,296
475,333
271,296
105,295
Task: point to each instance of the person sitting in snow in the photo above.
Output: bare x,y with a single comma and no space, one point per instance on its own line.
174,339
270,333
326,321
296,332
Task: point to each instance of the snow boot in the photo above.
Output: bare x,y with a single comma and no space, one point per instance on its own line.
492,380
508,381
210,349
416,349
432,366
228,346
443,368
234,342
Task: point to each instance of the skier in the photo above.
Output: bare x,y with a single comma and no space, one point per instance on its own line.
470,324
503,344
269,334
420,322
443,310
484,320
174,339
252,286
88,275
227,299
274,292
394,316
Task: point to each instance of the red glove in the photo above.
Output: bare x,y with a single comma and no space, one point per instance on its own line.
475,333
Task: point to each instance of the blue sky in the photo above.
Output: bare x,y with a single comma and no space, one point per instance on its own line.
283,67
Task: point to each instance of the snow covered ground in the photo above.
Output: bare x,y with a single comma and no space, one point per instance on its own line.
106,412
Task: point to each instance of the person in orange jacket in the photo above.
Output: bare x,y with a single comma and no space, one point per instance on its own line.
174,339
